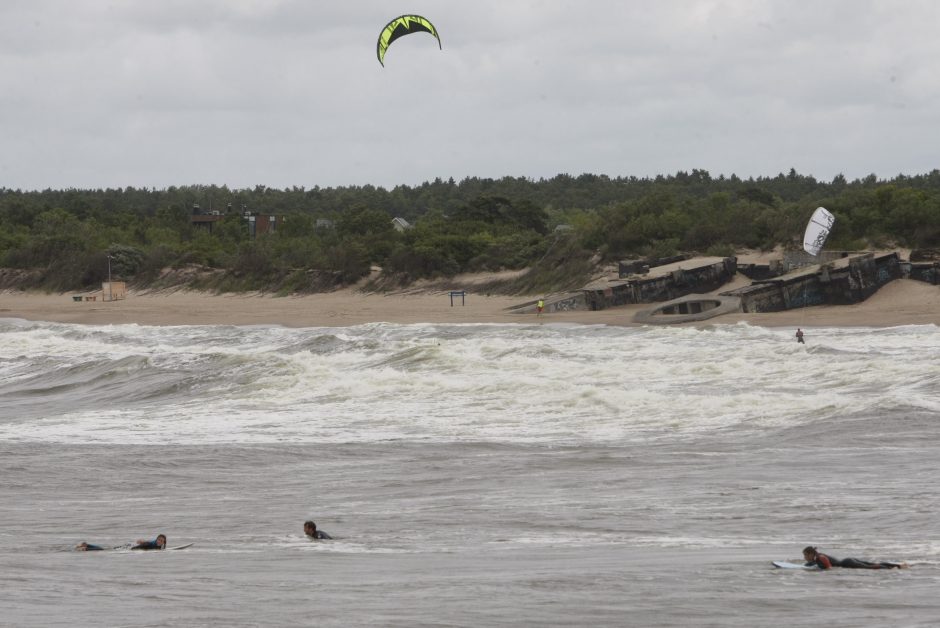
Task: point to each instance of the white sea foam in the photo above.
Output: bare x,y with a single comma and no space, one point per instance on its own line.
506,383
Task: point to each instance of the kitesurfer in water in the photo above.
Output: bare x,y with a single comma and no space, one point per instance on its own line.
310,529
158,543
799,336
824,561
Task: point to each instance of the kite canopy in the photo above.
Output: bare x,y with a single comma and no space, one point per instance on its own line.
400,26
817,230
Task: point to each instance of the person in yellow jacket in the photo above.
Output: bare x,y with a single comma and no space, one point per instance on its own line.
540,307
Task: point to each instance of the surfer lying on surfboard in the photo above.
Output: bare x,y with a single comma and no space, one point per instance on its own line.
158,543
824,561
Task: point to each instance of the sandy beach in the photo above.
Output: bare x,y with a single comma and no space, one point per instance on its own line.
902,302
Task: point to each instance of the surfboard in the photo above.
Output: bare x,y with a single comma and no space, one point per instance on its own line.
181,546
782,564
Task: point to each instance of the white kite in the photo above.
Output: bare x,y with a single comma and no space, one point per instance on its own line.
817,230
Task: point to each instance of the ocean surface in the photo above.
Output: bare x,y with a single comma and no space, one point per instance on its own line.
472,475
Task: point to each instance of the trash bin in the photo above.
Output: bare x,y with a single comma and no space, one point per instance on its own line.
77,297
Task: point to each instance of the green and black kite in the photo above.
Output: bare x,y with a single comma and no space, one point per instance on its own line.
401,26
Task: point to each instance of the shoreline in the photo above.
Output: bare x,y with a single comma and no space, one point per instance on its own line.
901,302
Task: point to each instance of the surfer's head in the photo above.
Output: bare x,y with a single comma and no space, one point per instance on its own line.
161,541
809,552
310,528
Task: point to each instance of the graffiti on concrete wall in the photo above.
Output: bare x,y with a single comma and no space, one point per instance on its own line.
806,297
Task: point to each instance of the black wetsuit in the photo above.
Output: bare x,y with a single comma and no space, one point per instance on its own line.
319,534
90,547
147,545
849,563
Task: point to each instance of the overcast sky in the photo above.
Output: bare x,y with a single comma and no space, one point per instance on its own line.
97,93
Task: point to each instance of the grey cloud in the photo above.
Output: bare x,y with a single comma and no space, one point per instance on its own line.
288,92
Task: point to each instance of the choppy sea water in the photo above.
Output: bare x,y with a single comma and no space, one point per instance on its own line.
471,475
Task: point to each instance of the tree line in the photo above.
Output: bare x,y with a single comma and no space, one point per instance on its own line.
65,239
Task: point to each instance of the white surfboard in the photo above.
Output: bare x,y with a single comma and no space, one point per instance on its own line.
181,546
782,564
